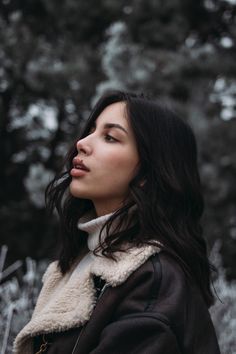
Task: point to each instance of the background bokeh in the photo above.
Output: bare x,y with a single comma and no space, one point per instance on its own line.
58,57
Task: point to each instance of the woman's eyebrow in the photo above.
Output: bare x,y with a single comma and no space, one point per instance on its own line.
113,125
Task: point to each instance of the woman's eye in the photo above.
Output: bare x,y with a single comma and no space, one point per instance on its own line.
110,138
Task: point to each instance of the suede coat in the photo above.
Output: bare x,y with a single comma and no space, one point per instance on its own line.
147,306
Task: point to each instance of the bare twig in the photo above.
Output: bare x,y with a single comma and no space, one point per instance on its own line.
3,254
7,330
12,268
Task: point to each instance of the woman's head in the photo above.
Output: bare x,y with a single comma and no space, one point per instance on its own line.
110,160
152,164
130,142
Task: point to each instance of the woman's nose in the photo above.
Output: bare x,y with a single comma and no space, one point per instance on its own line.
83,147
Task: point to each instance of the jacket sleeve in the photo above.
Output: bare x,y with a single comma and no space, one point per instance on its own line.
138,334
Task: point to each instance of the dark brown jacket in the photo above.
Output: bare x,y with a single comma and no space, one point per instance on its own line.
155,311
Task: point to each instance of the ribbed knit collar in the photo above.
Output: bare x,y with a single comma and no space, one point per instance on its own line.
93,225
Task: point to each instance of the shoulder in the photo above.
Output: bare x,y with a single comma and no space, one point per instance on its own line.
162,272
160,286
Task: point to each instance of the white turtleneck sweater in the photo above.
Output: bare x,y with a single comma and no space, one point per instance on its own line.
93,227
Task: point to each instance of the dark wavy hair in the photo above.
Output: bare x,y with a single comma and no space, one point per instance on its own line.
166,191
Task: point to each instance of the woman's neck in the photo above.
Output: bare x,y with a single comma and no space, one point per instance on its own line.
106,207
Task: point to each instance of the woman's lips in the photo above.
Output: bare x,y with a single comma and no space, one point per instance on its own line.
79,168
77,172
78,163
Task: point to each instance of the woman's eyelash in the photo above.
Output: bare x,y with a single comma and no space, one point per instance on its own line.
110,138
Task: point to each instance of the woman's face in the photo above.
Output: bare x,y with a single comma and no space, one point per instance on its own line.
110,155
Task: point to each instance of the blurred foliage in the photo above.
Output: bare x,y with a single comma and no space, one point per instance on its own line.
56,58
20,284
223,312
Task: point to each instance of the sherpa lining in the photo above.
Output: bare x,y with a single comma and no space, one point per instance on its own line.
67,301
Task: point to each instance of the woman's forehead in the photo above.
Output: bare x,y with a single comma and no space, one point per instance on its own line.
114,113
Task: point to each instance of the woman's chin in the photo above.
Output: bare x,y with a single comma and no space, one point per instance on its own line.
76,192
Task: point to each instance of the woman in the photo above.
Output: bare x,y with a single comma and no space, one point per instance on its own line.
133,274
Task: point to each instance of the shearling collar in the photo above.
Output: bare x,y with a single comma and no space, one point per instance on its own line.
67,301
